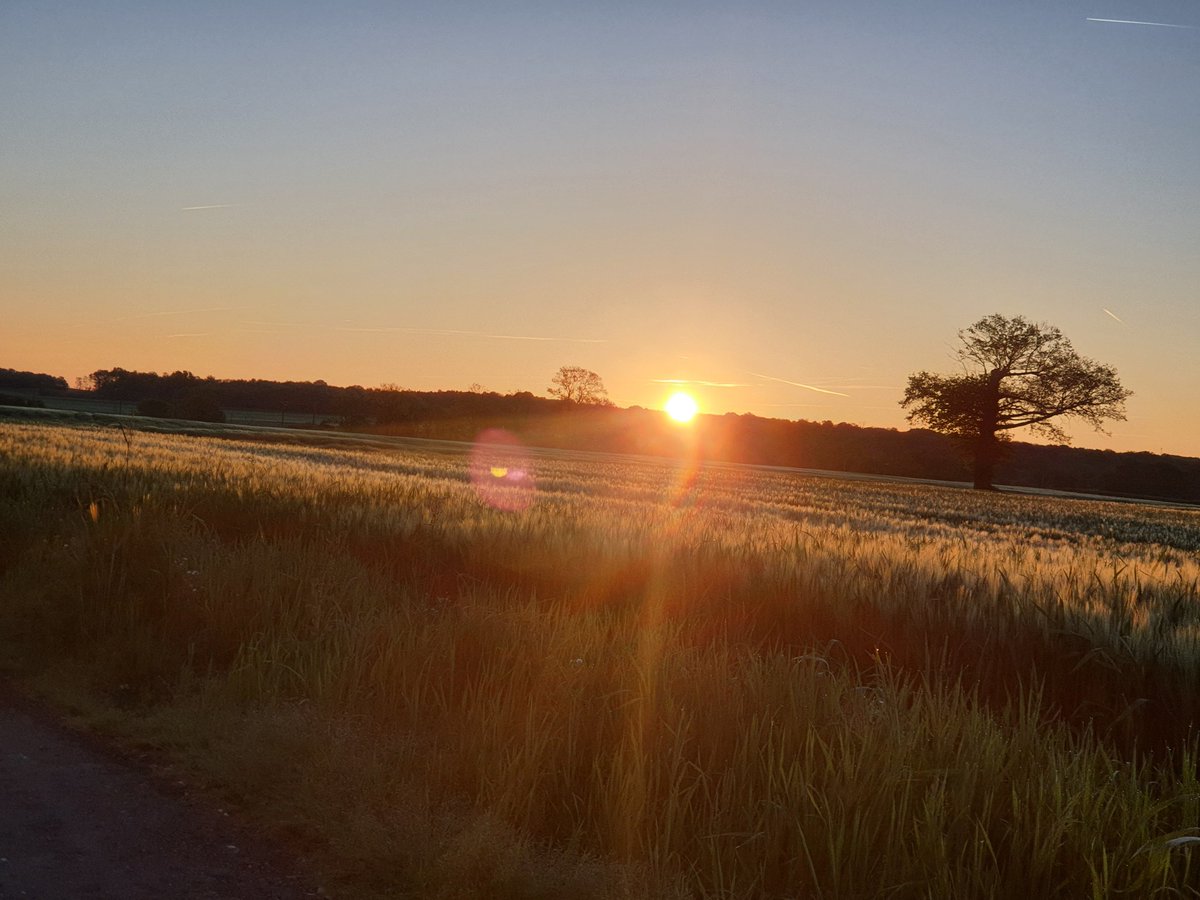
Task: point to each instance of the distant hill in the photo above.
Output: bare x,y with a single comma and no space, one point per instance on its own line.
539,421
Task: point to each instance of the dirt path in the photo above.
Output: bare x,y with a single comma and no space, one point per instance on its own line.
79,822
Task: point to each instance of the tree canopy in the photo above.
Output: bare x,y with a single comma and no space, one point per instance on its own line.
578,385
1016,374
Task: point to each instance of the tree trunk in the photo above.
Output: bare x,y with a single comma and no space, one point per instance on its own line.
987,448
987,453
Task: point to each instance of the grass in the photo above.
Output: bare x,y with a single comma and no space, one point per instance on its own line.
635,679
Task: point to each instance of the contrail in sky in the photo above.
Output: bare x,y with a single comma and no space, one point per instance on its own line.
209,206
718,384
188,334
176,312
529,337
798,384
483,334
1135,22
1113,315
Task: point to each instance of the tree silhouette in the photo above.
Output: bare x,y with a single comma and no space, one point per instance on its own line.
579,385
1016,374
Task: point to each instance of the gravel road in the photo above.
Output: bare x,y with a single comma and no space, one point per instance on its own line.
78,821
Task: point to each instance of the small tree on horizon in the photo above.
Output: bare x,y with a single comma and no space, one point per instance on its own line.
578,385
1016,374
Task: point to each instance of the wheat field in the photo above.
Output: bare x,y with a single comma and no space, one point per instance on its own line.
505,672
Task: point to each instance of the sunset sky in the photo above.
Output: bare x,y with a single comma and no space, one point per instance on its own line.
790,205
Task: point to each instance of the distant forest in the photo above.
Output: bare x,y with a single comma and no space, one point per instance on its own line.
11,378
540,421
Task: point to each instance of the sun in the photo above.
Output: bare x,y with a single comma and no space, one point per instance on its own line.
681,407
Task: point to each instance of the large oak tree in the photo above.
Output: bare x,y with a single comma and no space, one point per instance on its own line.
1016,374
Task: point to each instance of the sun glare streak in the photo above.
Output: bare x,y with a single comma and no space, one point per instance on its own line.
681,407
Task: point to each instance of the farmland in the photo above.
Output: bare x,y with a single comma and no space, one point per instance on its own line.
510,673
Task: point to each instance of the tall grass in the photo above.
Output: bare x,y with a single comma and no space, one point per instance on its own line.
726,683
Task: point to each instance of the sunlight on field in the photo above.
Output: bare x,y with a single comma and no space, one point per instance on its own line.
747,683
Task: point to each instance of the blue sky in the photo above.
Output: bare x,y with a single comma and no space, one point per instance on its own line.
764,195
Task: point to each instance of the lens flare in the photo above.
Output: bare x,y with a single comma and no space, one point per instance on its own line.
500,470
682,407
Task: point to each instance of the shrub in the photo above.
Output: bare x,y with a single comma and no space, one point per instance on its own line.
199,407
155,408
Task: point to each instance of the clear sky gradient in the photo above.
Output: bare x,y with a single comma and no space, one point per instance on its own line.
790,205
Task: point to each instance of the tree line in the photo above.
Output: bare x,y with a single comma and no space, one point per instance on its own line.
16,386
355,405
594,424
30,381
